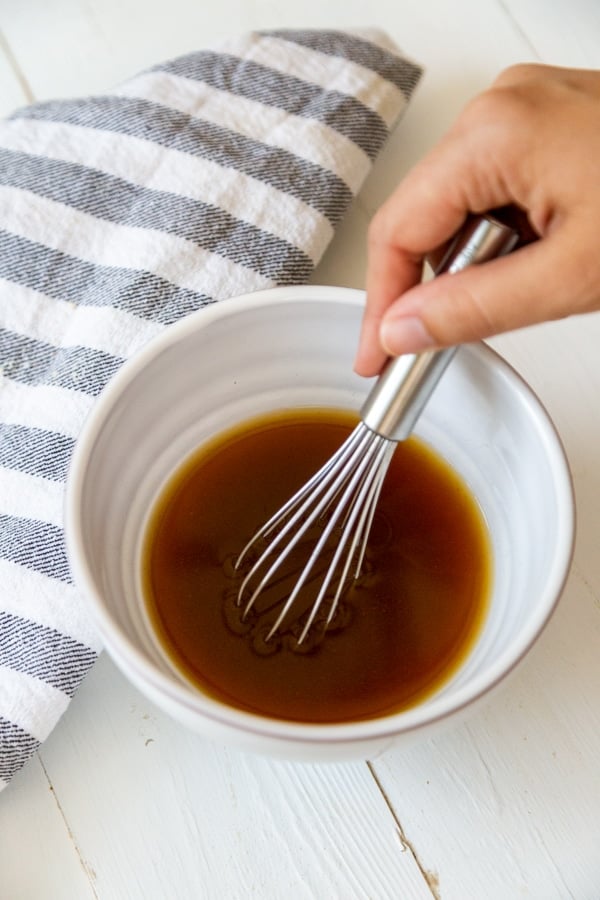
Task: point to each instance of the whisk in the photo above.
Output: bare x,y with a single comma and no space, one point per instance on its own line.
341,498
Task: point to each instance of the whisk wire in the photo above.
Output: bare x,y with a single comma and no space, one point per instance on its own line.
366,521
318,480
355,494
324,490
351,475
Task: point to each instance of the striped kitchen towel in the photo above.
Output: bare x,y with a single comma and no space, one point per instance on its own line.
215,174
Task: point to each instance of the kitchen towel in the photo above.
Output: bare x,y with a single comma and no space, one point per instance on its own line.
214,174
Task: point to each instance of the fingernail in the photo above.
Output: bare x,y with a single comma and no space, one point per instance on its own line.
404,334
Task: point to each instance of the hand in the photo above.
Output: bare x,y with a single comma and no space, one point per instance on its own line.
531,140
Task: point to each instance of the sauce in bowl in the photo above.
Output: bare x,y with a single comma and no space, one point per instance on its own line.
402,629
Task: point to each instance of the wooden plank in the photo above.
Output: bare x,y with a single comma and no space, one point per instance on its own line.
560,34
159,812
559,361
507,804
38,855
15,88
76,48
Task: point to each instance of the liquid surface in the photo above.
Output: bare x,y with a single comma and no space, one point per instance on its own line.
403,628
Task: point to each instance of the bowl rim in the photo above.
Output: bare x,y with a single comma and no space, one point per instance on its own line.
128,656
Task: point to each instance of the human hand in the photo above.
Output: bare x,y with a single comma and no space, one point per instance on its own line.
531,140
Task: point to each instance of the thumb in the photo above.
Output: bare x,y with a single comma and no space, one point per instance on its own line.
530,285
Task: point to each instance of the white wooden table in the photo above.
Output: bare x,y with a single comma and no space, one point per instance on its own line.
121,803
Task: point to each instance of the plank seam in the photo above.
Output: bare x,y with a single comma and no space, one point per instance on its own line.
16,68
84,865
519,28
431,878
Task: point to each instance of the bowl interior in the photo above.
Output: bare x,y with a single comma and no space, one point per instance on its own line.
294,347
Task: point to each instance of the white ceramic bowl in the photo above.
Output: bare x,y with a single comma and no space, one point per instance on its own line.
294,346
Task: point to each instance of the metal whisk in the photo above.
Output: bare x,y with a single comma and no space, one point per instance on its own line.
340,499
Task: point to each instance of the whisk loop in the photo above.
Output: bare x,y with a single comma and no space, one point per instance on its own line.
351,480
343,494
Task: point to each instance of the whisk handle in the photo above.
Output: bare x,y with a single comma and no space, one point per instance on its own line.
400,393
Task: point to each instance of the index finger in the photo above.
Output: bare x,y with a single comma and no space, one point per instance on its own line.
397,244
455,178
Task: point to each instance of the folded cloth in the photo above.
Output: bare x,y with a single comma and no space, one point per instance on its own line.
211,175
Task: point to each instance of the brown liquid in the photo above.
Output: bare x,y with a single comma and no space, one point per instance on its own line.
403,628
